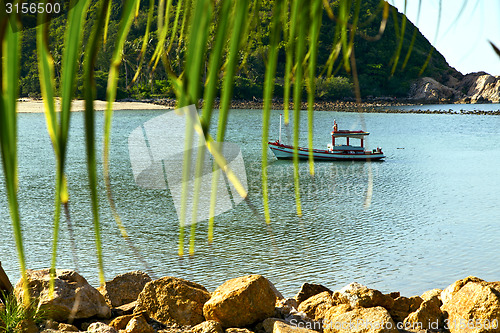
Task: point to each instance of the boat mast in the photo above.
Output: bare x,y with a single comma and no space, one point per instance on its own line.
279,139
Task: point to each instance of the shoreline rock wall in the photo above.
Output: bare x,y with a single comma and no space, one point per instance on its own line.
251,304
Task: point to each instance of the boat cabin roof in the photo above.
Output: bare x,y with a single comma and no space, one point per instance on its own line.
350,134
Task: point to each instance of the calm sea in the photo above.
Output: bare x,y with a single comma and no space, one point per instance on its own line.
433,216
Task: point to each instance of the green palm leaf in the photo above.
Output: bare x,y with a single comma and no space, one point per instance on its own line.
8,131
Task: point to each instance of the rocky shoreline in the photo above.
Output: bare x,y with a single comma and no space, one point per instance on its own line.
477,87
377,106
134,303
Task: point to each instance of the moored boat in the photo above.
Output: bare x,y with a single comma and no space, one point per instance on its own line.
334,151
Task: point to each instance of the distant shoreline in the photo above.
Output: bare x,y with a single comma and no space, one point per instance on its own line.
25,105
377,106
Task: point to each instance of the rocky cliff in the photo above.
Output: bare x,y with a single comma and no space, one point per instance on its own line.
478,87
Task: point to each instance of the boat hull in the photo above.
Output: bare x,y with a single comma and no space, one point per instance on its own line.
282,151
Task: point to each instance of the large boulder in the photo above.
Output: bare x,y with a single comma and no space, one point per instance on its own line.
403,306
428,316
241,301
481,86
124,288
308,290
362,320
475,307
427,89
452,289
358,295
73,297
316,306
171,300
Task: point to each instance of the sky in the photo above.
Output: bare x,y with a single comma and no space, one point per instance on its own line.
464,31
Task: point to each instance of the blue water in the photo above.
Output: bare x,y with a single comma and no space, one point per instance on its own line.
433,216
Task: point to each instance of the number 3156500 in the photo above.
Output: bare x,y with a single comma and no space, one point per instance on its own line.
33,8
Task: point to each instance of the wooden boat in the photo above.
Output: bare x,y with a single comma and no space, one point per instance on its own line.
334,152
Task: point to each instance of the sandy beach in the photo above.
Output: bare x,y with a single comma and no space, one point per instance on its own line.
25,105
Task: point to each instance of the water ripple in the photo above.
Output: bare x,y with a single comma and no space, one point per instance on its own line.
431,220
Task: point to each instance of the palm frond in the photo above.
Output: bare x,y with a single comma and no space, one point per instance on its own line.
129,10
73,42
268,94
8,130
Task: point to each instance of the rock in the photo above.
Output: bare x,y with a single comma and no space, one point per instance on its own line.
237,330
316,306
337,311
358,295
298,317
366,320
99,327
481,87
268,324
447,294
175,329
278,295
139,325
241,301
394,294
403,306
70,287
60,327
474,308
124,309
275,325
209,326
332,313
428,89
308,290
428,316
120,323
124,288
51,324
281,327
171,300
284,306
431,293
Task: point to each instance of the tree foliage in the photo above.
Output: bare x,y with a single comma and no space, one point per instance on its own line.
374,58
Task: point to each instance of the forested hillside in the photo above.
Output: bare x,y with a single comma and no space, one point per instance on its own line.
383,64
